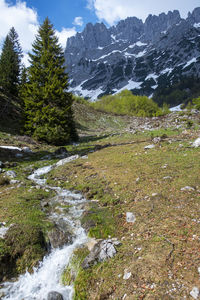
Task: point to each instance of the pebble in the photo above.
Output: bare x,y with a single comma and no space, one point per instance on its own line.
195,293
127,275
187,188
130,217
149,147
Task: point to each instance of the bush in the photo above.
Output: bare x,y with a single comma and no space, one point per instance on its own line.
125,103
196,103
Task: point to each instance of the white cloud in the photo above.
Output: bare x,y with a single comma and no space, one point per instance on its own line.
26,23
78,21
114,10
24,19
64,35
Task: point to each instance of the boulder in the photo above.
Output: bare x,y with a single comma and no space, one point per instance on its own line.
101,251
54,296
59,238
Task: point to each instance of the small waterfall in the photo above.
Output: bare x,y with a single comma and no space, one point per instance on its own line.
47,276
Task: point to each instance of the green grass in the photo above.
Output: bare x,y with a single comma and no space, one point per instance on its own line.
164,226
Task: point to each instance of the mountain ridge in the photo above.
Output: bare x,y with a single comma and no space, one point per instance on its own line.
133,54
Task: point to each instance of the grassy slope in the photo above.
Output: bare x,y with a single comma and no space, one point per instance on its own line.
161,248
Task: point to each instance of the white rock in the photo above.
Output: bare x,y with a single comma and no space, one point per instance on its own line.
199,270
196,143
149,147
195,293
127,275
13,181
187,188
11,174
130,217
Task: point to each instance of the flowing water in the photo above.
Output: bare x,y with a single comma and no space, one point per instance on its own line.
47,276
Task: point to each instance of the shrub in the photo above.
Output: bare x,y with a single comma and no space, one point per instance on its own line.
125,103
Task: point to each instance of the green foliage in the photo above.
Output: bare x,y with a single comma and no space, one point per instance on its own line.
48,115
125,103
10,61
196,103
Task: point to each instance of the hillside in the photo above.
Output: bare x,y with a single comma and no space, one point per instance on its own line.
144,166
140,56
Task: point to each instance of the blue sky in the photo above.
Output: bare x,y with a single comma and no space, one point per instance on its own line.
71,16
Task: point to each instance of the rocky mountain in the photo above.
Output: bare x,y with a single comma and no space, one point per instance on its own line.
135,55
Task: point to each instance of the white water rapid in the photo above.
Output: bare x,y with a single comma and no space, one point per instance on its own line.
46,278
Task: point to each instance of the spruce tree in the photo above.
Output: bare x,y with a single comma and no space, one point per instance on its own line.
10,63
48,113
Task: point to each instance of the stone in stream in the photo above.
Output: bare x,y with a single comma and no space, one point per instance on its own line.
54,296
59,238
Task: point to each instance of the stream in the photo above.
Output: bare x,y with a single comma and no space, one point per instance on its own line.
47,277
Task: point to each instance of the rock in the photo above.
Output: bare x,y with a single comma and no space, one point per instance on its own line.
127,275
130,217
187,189
101,251
54,296
1,164
157,140
1,170
61,152
199,270
195,293
149,147
167,178
59,238
196,143
13,181
11,174
26,150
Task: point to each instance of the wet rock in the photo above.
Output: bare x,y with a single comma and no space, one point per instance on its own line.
59,238
11,174
130,217
149,147
101,251
195,293
54,296
19,155
61,152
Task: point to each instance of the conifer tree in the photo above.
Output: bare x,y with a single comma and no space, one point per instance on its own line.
48,113
10,63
